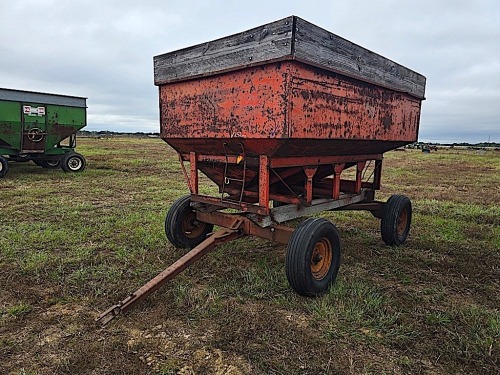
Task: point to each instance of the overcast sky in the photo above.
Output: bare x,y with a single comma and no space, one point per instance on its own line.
104,50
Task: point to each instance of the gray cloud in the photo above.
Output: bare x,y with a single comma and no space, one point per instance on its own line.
104,50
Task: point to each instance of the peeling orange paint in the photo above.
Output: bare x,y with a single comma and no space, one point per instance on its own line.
287,100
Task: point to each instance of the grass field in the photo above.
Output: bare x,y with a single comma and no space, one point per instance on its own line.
71,245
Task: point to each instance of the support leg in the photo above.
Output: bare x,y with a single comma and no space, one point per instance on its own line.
264,182
194,172
359,171
310,172
337,170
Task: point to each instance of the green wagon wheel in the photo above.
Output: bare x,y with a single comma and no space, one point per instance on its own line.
49,164
21,158
4,166
73,162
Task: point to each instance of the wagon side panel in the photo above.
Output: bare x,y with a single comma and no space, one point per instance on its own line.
332,106
10,125
243,104
62,122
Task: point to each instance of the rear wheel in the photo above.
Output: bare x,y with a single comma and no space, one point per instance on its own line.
73,162
181,226
4,166
396,220
313,257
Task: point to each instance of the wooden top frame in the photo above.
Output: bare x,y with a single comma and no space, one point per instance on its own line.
291,38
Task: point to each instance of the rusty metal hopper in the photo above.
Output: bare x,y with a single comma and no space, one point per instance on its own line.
289,91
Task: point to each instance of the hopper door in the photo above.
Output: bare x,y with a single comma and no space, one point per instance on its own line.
34,128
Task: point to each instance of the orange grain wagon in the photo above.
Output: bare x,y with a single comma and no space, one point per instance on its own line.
277,117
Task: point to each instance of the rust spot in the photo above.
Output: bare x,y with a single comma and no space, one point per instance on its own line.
386,122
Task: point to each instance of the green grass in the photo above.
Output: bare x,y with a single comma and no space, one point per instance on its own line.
16,310
358,310
73,244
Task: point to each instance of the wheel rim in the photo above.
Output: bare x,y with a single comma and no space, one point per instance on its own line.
321,258
52,163
74,163
402,222
191,227
1,166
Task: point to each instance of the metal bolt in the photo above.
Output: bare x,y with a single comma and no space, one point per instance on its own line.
317,258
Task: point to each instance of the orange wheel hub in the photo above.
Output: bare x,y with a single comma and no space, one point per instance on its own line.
191,227
321,258
402,222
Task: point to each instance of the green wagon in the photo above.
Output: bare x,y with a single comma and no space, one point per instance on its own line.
42,128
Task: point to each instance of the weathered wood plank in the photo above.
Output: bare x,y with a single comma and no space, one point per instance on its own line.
287,39
318,47
269,42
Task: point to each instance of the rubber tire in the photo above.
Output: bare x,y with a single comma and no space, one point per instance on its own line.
396,208
46,163
71,157
20,159
176,217
4,166
299,254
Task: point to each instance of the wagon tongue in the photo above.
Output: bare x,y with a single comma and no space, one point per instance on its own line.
110,313
221,236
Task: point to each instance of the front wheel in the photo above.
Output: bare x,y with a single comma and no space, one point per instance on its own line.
73,162
182,228
313,257
4,166
396,220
